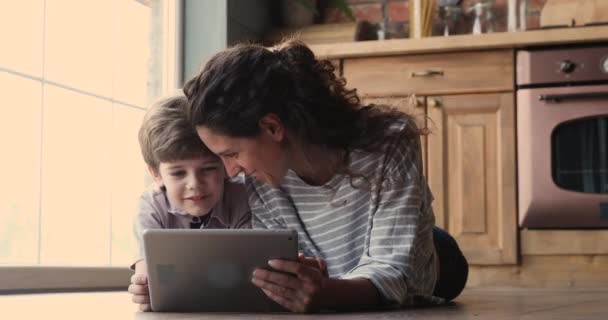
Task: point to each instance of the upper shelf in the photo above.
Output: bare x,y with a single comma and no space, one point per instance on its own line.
462,42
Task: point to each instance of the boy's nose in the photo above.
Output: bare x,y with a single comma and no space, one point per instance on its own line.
194,182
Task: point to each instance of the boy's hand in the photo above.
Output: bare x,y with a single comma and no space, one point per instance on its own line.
139,287
139,290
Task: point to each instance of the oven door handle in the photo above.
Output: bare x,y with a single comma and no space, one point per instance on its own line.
573,96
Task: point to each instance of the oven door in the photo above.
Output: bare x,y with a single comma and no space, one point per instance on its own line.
563,157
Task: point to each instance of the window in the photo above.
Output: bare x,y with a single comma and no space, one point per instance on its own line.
580,155
76,77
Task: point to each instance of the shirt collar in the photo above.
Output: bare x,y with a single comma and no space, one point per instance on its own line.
216,212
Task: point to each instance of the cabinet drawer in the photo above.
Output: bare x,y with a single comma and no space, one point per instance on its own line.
440,73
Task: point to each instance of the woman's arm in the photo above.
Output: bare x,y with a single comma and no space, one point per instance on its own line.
350,294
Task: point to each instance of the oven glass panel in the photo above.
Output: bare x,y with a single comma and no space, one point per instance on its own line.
580,155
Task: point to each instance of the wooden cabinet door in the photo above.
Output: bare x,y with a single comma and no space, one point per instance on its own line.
412,105
471,172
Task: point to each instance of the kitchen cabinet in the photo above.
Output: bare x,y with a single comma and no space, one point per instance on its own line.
466,99
467,105
471,171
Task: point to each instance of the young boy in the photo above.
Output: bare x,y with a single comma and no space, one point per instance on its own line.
190,190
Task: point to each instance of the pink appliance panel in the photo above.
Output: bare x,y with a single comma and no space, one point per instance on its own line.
559,66
541,202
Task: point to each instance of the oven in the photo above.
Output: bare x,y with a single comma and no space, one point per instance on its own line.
562,137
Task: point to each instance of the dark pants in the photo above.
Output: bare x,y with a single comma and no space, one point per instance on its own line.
453,266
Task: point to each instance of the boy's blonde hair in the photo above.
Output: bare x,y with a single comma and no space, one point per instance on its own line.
166,135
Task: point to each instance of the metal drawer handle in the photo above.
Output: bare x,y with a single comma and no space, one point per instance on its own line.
426,73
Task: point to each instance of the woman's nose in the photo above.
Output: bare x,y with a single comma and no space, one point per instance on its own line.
232,168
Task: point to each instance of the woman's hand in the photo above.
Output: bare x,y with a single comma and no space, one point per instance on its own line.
139,287
314,262
297,287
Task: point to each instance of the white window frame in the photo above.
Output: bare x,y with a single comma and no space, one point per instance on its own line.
44,278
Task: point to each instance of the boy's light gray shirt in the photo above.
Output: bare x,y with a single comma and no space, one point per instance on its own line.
156,212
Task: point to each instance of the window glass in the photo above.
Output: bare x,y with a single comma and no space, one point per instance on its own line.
79,44
127,180
21,31
75,179
580,155
76,77
20,187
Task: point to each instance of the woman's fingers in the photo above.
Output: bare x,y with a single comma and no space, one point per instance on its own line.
281,300
301,270
281,279
295,284
277,289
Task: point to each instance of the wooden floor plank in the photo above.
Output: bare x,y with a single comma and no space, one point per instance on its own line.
498,303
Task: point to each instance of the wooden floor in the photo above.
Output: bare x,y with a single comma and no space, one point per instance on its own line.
475,303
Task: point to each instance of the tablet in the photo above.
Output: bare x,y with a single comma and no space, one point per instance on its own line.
198,270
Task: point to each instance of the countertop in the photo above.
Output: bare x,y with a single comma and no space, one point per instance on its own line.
463,42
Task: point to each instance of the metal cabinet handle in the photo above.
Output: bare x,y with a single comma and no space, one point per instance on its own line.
426,73
419,102
434,103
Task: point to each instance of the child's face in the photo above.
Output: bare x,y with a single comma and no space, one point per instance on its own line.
195,185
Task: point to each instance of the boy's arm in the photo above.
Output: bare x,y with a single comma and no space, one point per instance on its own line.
148,217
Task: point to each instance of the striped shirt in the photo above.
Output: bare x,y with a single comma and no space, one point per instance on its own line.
381,231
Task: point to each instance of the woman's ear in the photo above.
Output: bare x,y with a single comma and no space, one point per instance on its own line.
156,176
272,125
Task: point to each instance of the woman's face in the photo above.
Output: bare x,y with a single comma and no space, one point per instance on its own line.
262,157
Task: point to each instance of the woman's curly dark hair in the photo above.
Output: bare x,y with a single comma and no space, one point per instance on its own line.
241,84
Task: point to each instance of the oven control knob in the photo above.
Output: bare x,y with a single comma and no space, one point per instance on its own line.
567,66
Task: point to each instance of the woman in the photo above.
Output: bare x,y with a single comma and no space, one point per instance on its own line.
347,177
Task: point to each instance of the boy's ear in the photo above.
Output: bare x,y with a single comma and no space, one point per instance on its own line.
272,125
156,176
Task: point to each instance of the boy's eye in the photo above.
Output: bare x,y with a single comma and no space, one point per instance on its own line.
209,169
177,173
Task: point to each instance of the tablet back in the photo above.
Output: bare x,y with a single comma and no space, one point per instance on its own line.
211,270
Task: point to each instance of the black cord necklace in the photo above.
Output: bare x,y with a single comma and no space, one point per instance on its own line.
198,222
